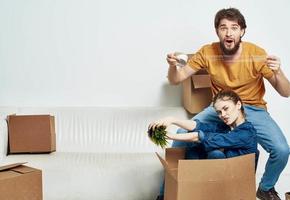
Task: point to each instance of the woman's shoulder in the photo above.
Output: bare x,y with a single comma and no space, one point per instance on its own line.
247,125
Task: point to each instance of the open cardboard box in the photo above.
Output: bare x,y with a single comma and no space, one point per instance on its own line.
219,179
31,133
20,182
197,92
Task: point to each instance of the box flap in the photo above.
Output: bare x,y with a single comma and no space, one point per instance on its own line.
172,155
23,169
171,171
6,167
197,94
8,174
163,162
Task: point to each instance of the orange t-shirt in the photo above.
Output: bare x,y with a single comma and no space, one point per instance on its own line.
245,76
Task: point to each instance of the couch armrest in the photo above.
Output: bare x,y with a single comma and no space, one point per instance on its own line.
3,138
4,112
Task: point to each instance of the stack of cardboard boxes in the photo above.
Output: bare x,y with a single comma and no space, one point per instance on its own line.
27,134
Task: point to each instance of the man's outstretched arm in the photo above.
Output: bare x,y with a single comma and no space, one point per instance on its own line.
279,81
177,75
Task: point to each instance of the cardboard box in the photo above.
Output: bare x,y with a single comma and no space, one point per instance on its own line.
219,179
287,196
19,182
197,92
31,133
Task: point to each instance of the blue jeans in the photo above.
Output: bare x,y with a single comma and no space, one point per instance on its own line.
270,137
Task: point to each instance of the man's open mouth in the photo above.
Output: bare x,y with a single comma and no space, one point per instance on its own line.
229,42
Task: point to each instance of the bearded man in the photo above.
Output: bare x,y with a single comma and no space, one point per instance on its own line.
242,67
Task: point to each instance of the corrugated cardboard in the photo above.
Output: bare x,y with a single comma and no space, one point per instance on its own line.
19,182
197,91
219,179
31,133
287,196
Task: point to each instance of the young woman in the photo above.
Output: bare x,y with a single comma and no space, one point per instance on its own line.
233,136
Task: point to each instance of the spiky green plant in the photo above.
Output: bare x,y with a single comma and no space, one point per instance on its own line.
158,136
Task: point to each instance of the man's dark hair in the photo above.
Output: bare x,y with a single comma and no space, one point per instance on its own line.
232,14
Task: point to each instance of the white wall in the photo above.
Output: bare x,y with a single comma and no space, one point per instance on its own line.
112,53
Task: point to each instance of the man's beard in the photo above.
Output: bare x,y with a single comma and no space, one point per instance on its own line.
229,52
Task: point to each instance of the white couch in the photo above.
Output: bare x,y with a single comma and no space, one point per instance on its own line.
102,153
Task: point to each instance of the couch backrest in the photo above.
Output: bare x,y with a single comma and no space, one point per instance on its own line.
104,129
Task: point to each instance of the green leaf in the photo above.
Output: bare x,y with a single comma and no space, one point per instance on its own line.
158,136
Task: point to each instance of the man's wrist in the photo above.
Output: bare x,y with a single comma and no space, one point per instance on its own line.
278,71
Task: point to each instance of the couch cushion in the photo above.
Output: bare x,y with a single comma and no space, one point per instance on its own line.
89,176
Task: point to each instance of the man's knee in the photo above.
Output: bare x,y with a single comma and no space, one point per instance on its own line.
280,152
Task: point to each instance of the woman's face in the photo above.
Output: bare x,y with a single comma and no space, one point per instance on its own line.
227,110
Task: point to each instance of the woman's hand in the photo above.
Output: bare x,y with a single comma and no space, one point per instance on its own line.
167,121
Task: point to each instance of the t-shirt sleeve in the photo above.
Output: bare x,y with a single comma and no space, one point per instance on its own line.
261,65
197,60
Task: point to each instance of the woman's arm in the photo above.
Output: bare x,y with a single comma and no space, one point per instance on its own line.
186,137
279,81
185,124
176,76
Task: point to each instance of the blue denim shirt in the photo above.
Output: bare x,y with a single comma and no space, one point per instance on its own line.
239,141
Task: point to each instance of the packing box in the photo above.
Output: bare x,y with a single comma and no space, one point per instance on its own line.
197,91
19,182
287,196
31,133
219,179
